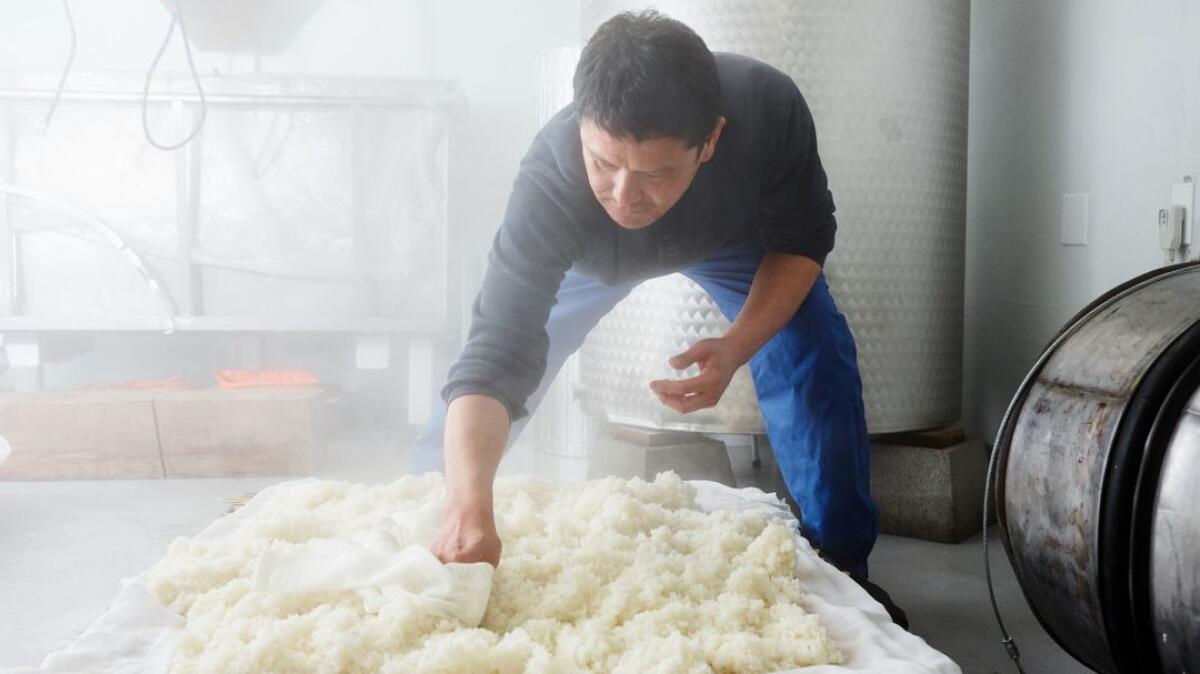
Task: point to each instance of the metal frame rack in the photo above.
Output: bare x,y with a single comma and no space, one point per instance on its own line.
178,283
183,306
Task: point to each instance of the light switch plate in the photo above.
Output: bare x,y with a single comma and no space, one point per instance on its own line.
1184,194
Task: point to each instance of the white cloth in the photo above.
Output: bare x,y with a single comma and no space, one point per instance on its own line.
137,635
856,623
394,563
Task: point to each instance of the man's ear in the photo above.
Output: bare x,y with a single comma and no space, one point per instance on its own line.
710,145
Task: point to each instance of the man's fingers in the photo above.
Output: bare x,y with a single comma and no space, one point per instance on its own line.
667,387
699,402
683,360
694,354
675,402
467,554
467,543
684,404
681,387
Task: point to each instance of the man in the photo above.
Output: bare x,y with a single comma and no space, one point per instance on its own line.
670,159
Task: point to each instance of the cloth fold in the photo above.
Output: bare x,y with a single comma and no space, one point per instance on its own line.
390,563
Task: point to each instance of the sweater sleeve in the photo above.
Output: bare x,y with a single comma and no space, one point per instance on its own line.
797,207
505,354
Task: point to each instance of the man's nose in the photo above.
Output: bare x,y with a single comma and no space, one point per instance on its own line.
625,190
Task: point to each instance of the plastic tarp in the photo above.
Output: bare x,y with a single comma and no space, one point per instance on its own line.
317,182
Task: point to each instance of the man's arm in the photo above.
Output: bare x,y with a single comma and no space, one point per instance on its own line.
505,354
797,229
477,428
780,286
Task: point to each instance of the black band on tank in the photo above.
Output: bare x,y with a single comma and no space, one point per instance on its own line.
1131,477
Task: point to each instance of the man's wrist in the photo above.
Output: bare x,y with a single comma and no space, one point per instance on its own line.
469,506
743,346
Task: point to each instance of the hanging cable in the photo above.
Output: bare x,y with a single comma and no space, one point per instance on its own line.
992,479
176,17
62,80
1009,645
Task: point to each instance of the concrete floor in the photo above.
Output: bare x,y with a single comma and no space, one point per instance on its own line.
64,546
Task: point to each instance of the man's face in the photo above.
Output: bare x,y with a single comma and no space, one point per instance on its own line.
637,182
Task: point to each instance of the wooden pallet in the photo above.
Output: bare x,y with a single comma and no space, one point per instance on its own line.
87,435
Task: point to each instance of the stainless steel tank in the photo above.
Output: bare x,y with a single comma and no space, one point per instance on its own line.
887,85
1098,463
631,345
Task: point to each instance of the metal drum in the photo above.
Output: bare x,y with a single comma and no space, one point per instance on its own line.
1098,459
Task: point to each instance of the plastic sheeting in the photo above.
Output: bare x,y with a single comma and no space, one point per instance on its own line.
298,193
560,426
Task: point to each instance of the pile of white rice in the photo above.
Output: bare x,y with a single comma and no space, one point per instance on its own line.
607,576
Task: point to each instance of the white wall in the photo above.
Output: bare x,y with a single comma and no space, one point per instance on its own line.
1095,96
491,49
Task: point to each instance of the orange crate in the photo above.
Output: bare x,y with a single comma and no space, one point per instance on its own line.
267,378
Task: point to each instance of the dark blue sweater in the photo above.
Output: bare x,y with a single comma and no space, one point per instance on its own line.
764,182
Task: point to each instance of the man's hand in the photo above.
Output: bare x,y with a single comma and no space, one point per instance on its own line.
468,535
476,430
780,286
718,360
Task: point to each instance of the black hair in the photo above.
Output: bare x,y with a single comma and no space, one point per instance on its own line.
646,75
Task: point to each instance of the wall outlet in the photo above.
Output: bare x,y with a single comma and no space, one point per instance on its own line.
1183,195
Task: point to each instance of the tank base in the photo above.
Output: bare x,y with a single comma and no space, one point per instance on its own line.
930,493
628,452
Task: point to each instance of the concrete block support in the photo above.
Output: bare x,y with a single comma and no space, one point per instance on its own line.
628,452
931,493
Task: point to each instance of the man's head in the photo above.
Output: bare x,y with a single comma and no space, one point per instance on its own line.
648,102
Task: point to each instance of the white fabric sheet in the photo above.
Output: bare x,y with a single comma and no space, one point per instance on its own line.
394,560
856,623
137,634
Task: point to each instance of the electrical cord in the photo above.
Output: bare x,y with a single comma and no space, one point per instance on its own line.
176,17
62,80
1009,644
